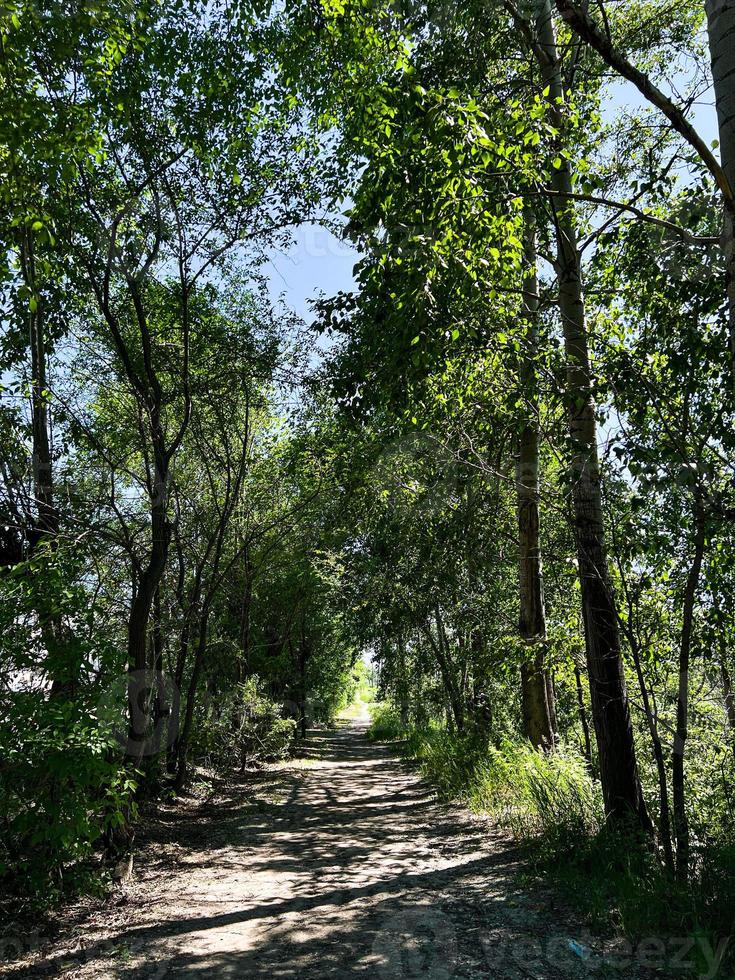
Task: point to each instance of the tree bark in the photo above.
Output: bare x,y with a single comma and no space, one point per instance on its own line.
161,707
43,487
678,786
551,701
441,651
205,593
583,715
243,660
728,696
621,786
189,609
139,686
535,681
721,31
62,664
402,685
303,657
658,754
196,670
482,709
420,713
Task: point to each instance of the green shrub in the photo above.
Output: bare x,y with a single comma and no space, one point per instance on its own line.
537,795
385,724
63,779
62,784
248,728
554,807
449,761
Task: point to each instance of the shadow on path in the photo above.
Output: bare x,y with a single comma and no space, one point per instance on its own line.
342,864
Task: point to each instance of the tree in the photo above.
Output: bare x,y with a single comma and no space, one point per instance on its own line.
720,17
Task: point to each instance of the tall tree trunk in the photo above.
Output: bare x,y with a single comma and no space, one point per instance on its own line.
440,647
62,667
681,823
43,488
480,705
721,31
174,730
161,708
650,711
139,682
658,754
453,687
182,747
482,709
402,682
536,686
611,713
303,657
551,701
243,660
420,712
583,715
728,696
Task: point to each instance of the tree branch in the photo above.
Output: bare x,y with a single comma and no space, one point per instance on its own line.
583,25
687,236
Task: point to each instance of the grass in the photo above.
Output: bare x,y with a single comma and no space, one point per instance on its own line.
357,711
553,807
385,724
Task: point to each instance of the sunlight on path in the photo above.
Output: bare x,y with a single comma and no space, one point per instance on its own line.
340,864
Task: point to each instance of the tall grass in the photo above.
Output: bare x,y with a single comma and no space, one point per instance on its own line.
553,806
385,724
537,796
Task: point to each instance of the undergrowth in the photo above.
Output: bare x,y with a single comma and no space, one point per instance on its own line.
553,808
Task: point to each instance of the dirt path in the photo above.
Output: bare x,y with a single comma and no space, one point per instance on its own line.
343,865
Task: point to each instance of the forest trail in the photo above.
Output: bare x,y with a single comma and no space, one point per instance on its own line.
341,864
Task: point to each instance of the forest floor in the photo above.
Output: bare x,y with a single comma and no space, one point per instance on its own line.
338,864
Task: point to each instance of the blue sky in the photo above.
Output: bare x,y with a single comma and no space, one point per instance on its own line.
316,263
